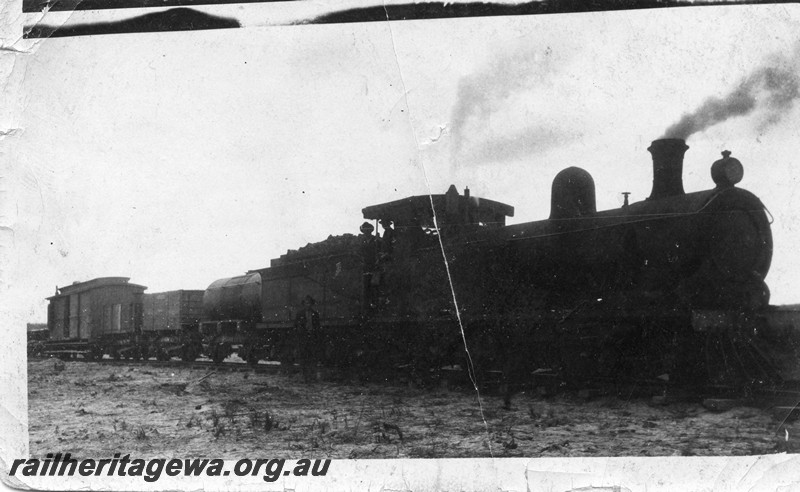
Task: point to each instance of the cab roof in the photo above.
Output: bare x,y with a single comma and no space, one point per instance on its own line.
449,208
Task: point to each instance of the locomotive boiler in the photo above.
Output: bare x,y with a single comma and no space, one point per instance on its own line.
671,286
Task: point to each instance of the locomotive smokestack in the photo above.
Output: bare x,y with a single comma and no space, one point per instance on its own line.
667,167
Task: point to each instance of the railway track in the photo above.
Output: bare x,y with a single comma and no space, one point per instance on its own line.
199,364
203,365
783,400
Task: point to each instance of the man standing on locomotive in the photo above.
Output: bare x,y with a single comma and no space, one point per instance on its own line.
369,257
388,238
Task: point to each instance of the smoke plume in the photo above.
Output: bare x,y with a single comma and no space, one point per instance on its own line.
770,90
492,91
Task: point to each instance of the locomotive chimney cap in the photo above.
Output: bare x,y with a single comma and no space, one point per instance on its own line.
673,143
727,171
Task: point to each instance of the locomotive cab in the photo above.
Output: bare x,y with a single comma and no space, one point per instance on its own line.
448,213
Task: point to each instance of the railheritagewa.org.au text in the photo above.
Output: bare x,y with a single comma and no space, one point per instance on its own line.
58,465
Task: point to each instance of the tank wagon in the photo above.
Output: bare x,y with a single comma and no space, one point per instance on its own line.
670,286
231,308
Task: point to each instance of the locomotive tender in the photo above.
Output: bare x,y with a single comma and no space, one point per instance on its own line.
669,286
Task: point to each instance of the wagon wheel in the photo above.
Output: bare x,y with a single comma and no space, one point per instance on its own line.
189,353
219,353
36,350
95,353
162,354
252,357
141,352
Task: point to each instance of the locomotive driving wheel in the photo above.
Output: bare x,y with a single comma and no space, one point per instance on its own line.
189,353
219,352
426,352
484,354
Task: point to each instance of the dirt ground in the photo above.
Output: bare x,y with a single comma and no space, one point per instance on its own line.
94,410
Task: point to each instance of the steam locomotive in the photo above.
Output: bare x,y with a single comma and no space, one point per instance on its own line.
670,287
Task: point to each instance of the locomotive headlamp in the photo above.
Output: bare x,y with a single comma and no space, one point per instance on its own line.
727,171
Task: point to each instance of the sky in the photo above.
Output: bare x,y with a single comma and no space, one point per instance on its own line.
176,159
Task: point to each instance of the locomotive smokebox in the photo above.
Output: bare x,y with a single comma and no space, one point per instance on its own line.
667,167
